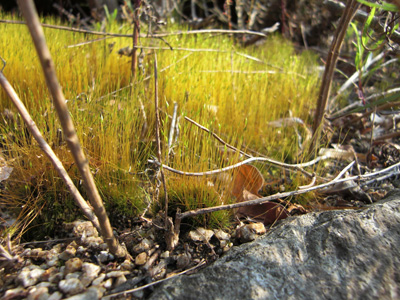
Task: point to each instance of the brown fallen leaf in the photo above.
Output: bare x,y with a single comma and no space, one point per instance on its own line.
248,181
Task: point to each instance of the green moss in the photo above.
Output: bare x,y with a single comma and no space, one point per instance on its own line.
233,91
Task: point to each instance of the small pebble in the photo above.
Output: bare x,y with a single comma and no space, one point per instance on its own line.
40,293
107,284
250,232
141,259
68,253
104,256
127,265
144,245
182,260
165,254
29,277
99,279
222,235
73,265
55,296
114,274
73,275
201,235
71,286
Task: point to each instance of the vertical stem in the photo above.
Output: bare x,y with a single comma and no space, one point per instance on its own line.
136,29
158,139
351,8
28,10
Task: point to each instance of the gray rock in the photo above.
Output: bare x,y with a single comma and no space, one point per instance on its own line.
71,286
29,277
326,255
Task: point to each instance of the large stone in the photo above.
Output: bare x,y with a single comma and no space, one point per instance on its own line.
327,255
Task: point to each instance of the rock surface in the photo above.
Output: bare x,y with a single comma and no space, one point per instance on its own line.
326,255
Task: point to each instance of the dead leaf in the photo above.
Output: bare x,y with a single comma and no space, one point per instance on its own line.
248,181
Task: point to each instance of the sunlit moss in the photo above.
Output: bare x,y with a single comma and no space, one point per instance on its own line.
235,92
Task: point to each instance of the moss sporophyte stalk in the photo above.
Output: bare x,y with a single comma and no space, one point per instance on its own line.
226,90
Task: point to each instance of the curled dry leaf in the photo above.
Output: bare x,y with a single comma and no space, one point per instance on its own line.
248,181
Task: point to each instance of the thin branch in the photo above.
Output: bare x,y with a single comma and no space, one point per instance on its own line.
89,42
158,138
124,293
156,35
201,211
351,8
28,10
314,161
217,137
172,129
297,167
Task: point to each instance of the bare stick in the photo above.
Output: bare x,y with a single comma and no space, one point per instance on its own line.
158,139
157,35
28,9
297,167
172,129
314,161
87,211
351,8
89,42
201,211
136,29
124,293
217,137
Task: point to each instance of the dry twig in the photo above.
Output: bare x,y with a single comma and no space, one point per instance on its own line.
28,9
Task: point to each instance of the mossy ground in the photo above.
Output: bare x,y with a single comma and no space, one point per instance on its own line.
231,90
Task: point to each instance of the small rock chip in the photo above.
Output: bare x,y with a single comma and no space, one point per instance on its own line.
144,245
40,293
29,277
120,280
55,296
249,232
92,293
165,254
222,235
72,265
68,253
108,283
90,272
104,256
183,260
82,228
127,265
71,286
201,235
73,275
141,259
114,274
99,279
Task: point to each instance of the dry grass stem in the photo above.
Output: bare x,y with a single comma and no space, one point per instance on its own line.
213,172
29,11
351,8
156,35
158,138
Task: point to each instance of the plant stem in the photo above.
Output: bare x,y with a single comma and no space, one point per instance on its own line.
28,10
136,29
351,8
158,139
